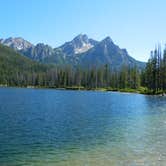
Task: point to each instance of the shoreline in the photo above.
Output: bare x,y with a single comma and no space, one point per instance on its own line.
141,90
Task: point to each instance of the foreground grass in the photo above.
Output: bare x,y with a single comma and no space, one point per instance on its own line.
140,90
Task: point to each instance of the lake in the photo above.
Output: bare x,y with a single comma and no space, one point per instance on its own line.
81,128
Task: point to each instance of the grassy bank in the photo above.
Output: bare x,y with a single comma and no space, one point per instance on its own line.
140,90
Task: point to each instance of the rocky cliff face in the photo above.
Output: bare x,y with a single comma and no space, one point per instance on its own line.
16,43
79,51
79,44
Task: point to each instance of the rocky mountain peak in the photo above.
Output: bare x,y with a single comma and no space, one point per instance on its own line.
17,43
81,51
82,38
107,40
78,45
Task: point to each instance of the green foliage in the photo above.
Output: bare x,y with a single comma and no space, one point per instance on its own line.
154,76
17,70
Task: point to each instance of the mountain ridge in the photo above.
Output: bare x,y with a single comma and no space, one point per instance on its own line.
81,50
16,43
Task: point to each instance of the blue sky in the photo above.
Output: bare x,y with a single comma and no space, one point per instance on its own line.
134,25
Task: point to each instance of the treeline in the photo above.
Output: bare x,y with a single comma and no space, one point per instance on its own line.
67,77
154,76
17,70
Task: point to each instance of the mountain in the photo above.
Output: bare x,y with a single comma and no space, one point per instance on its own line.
79,44
38,52
81,51
16,43
12,62
106,52
44,53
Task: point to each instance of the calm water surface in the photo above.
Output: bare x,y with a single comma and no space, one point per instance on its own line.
81,128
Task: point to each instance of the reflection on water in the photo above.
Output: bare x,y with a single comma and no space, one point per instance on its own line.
50,127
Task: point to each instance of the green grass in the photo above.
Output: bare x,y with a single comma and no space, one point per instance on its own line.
140,90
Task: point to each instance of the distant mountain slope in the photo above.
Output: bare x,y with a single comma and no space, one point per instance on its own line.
16,43
79,51
44,53
106,52
12,63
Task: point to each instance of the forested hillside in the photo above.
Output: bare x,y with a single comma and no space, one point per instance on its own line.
81,51
17,70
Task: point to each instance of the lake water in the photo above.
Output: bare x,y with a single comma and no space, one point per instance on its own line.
81,128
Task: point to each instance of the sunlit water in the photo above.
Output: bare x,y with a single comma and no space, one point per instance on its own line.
81,128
